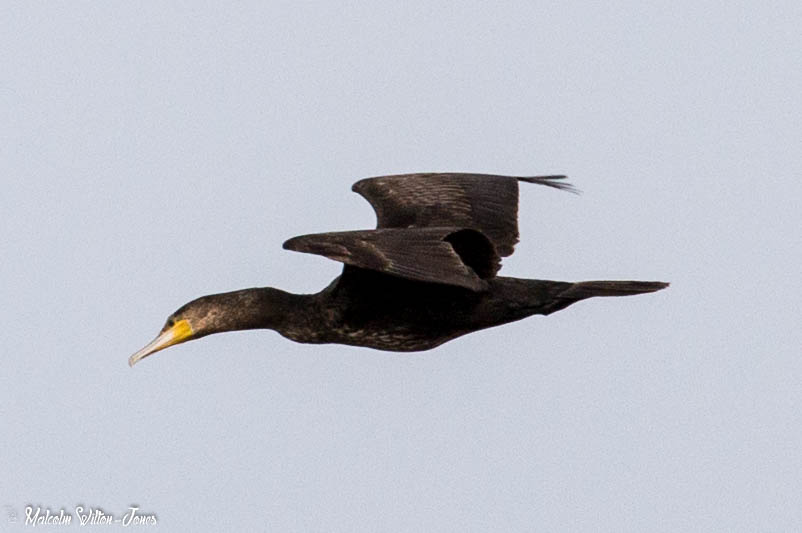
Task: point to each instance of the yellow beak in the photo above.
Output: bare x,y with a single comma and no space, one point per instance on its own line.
180,331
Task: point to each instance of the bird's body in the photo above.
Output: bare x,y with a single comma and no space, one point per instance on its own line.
363,308
425,276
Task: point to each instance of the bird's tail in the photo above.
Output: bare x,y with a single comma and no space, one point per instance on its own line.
544,297
588,289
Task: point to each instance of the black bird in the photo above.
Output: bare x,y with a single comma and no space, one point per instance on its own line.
426,275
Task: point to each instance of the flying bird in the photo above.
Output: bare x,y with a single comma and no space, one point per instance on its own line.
424,276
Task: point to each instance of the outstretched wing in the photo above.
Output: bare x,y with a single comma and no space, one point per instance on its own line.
454,256
484,202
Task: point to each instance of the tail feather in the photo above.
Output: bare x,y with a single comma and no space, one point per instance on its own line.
589,289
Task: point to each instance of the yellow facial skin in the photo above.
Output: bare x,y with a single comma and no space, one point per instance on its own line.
179,332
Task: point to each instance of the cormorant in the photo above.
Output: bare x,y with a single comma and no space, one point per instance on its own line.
424,276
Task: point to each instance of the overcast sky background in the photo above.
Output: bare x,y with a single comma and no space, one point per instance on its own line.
153,153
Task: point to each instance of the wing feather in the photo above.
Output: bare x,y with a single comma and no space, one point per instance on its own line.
484,202
453,256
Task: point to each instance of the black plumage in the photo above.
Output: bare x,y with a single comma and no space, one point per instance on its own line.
425,275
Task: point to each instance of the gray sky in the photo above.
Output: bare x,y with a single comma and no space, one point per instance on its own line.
151,154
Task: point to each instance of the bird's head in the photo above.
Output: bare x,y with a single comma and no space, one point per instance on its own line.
196,319
216,313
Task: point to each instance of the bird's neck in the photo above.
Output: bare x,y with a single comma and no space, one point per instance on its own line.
264,308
